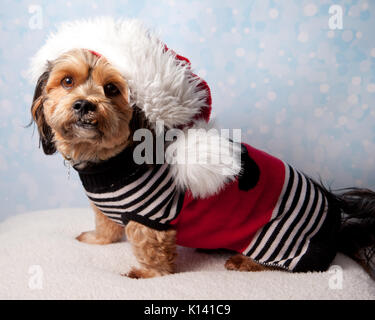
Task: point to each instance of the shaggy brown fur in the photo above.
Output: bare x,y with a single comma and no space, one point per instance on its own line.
155,250
106,231
240,262
57,122
100,134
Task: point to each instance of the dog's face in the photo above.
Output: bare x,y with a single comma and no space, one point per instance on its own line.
81,107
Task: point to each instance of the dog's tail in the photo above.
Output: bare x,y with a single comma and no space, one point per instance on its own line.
357,232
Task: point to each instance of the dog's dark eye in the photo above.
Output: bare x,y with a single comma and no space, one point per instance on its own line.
111,90
67,82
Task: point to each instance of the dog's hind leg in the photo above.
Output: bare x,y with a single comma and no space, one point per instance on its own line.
106,231
240,262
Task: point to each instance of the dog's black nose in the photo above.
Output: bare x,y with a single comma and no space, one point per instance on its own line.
83,106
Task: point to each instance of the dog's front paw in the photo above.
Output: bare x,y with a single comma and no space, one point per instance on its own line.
91,237
136,273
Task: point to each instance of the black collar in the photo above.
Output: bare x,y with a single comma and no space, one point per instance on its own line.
111,174
121,161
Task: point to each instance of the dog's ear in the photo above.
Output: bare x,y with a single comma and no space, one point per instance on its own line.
45,132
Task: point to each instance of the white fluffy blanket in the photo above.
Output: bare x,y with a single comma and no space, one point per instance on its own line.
40,259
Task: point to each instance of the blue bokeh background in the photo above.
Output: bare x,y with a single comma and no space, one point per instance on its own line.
296,88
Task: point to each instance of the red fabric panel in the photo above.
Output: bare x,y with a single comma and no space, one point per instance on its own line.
231,218
205,112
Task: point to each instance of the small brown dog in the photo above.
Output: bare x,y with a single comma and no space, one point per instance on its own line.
88,109
81,108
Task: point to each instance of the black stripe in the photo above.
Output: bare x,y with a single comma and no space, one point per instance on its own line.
144,194
130,192
305,223
145,221
180,201
287,191
111,212
167,210
315,225
112,180
154,224
297,217
281,222
281,208
161,204
154,198
116,219
317,220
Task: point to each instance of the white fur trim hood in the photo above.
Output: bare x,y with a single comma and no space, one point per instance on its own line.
203,160
162,85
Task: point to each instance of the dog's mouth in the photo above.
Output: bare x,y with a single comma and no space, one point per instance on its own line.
87,124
